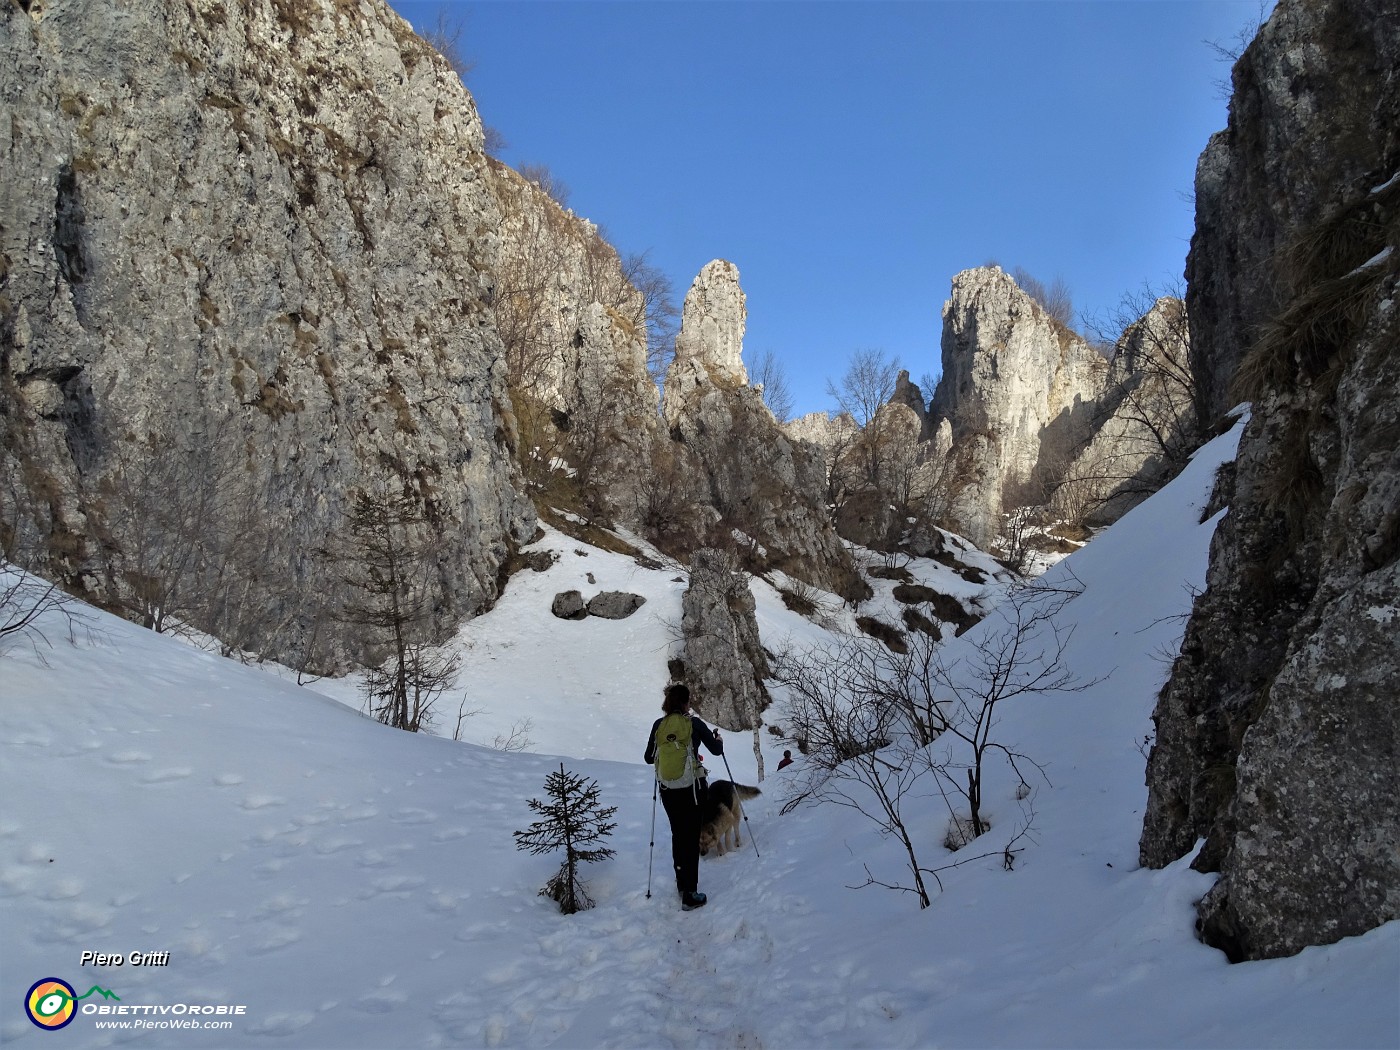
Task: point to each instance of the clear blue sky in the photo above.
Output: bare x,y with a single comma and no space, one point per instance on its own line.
850,158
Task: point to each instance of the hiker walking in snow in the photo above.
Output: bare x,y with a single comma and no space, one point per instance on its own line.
787,760
671,747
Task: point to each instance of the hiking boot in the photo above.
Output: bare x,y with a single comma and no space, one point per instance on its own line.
691,901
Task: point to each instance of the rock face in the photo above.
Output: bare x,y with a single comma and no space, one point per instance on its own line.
569,605
1310,115
1278,734
574,328
887,458
712,323
614,605
753,480
823,429
257,230
1010,372
909,395
1144,425
724,661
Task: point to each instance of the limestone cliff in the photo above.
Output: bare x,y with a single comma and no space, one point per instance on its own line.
1278,732
575,333
724,659
754,482
1143,428
1311,112
255,237
1009,372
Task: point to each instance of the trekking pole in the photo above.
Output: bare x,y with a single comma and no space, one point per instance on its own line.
747,826
652,847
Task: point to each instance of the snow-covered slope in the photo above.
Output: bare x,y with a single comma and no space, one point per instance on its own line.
352,886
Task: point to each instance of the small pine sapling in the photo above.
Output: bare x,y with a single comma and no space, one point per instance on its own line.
574,822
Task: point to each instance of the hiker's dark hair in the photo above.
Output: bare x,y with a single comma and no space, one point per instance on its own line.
677,699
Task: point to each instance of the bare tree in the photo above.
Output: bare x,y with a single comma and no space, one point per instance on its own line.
846,731
1055,298
875,723
866,386
770,373
187,519
1232,47
445,37
1152,386
517,738
385,556
25,601
659,312
1021,654
545,180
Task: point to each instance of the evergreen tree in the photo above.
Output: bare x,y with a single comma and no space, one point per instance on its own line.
574,822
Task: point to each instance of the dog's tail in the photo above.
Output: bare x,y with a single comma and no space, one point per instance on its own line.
744,791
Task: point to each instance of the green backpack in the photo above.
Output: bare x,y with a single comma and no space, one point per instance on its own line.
675,754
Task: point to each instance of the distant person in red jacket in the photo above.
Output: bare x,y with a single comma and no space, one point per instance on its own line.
787,759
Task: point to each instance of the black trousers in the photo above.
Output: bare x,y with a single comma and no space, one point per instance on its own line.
683,811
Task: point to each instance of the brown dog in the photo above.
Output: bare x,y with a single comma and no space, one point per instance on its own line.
720,815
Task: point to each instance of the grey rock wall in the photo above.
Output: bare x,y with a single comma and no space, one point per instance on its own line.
755,485
262,221
1009,373
724,659
1143,428
1312,110
575,331
1278,732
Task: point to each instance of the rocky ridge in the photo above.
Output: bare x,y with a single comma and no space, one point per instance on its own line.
760,489
1144,425
575,334
1277,733
1310,113
1013,379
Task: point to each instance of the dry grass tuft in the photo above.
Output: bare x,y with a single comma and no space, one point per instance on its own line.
1330,297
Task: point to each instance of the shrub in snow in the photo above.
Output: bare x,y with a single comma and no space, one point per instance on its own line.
574,822
961,831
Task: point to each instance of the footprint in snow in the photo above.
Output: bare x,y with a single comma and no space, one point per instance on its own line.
392,884
442,904
128,758
161,776
330,846
413,816
63,890
380,1002
253,802
224,780
77,923
277,906
275,941
282,1024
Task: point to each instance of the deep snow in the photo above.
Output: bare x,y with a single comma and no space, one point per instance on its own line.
354,886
